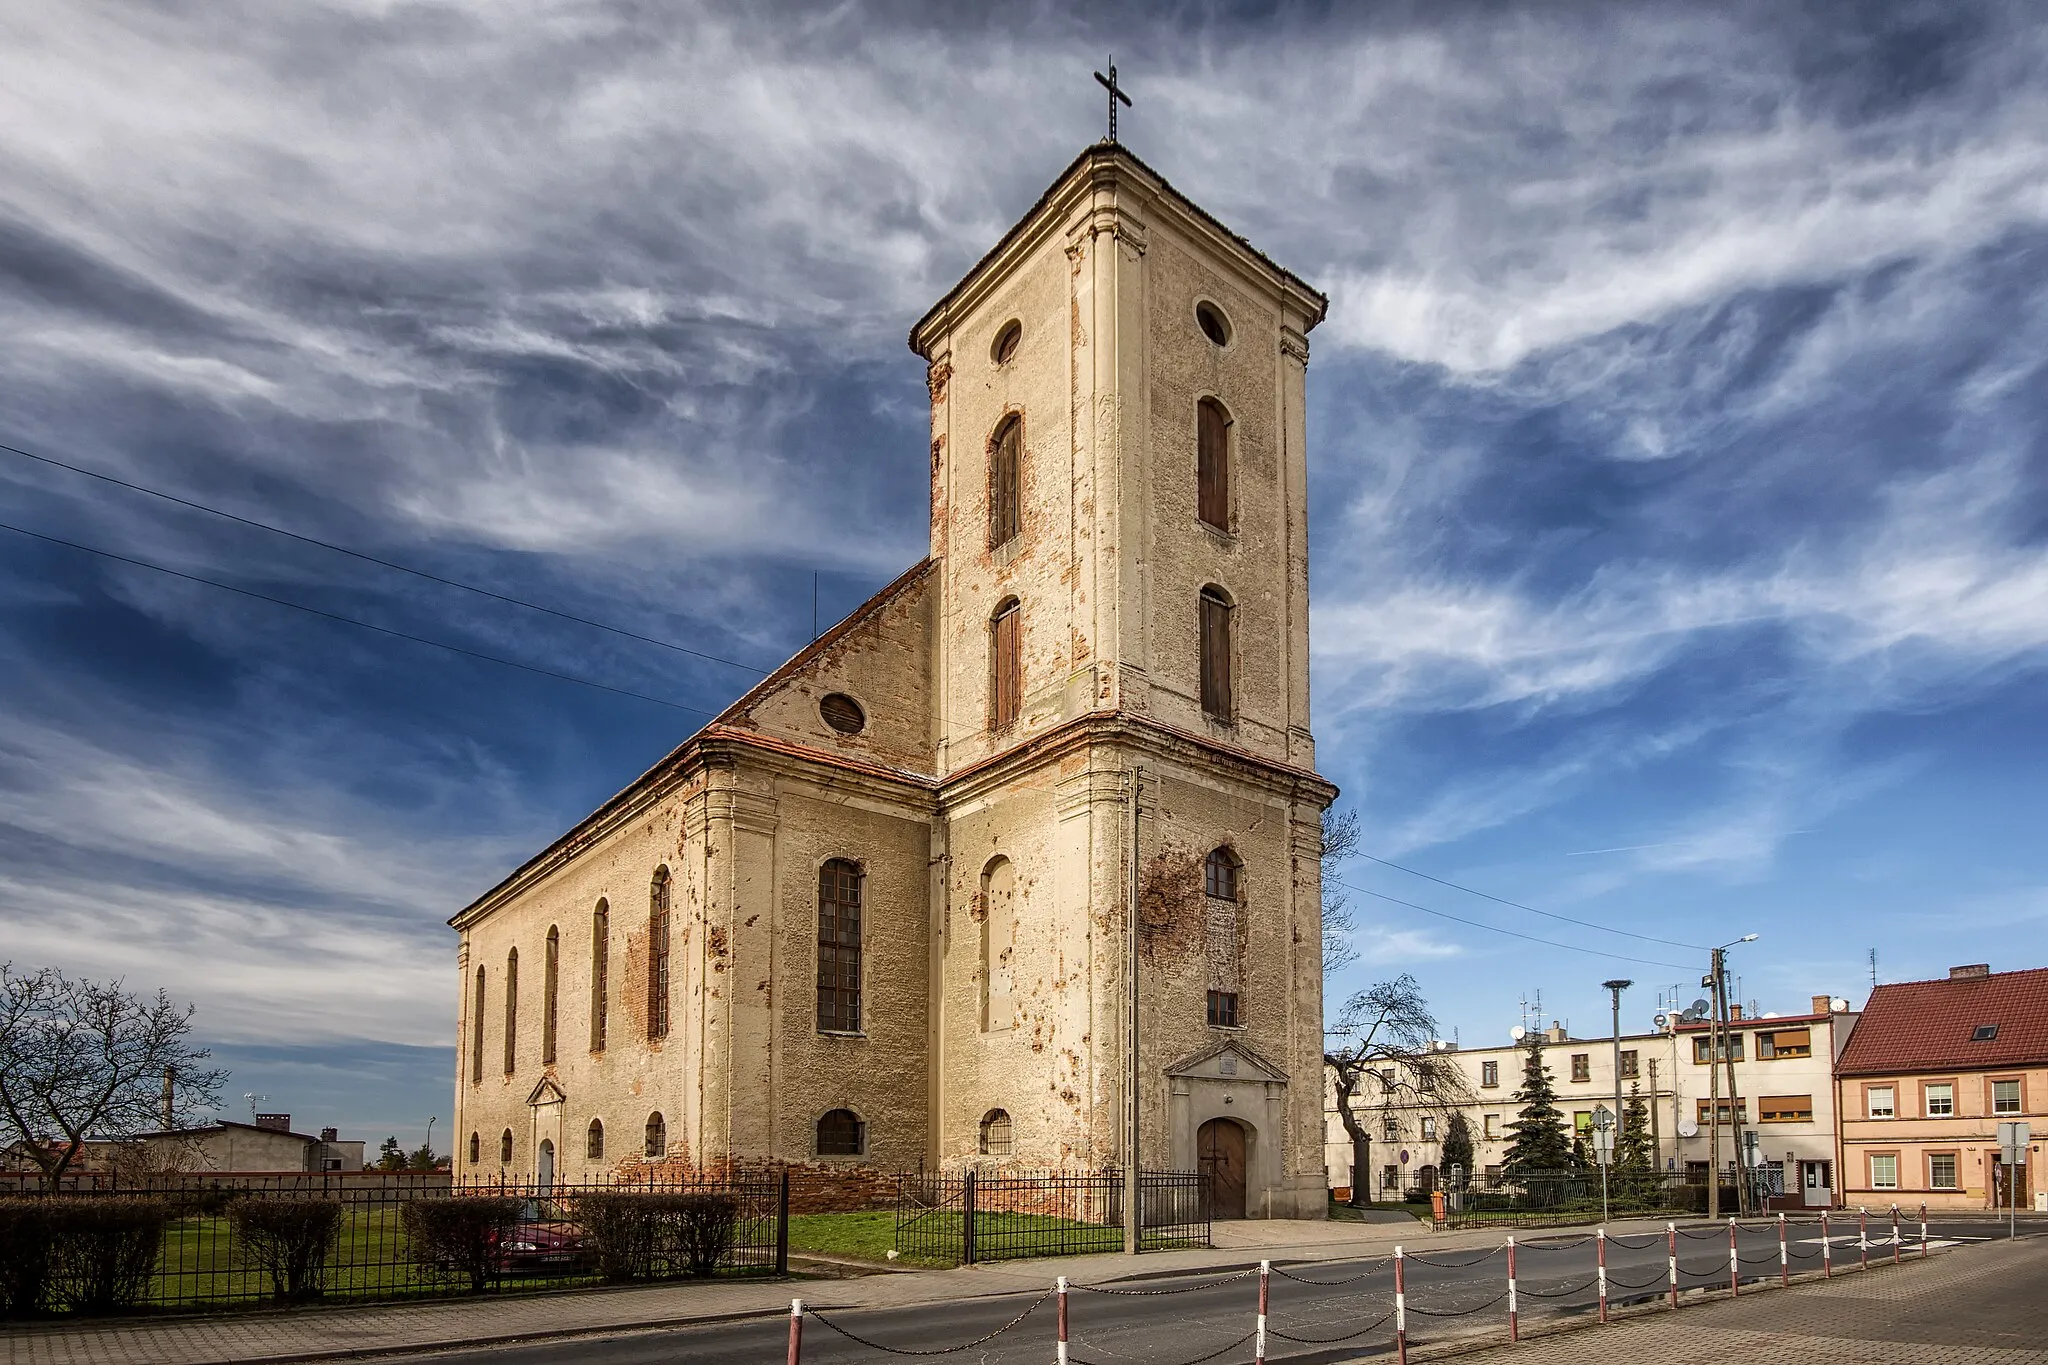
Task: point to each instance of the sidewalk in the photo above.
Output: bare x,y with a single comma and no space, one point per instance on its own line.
339,1333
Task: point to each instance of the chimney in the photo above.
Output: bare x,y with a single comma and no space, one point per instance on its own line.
1735,1011
276,1123
1557,1032
1975,969
1823,1004
170,1096
330,1134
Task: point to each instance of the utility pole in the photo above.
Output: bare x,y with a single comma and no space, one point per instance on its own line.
1721,1053
1132,1223
1616,987
1714,1088
1656,1137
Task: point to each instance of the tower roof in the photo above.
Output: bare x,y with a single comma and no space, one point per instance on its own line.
1113,162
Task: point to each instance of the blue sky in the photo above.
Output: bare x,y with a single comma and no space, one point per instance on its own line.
1680,492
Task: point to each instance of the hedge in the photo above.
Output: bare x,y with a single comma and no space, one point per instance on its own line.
630,1232
459,1237
290,1239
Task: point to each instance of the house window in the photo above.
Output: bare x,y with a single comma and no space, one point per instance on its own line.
2005,1097
1006,664
1390,1177
1784,1109
839,947
476,1149
1941,1170
1428,1129
550,978
1703,1049
600,972
1582,1066
505,1148
1489,1073
1879,1102
511,1011
1884,1171
1223,1009
1940,1100
1216,695
1390,1128
1219,875
998,943
1791,1042
1728,1114
1493,1125
841,1133
656,1146
658,900
476,1031
1493,1175
1629,1069
593,1141
1212,437
1005,461
995,1133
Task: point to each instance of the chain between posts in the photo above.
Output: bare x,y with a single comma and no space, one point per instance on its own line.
825,1322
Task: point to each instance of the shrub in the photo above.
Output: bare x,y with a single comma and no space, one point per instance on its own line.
288,1238
631,1232
26,1250
104,1249
459,1236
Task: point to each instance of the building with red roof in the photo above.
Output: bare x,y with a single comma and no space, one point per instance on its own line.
1930,1071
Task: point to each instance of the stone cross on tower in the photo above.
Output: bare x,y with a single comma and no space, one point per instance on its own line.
1115,94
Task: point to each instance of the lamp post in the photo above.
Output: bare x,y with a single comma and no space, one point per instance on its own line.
1719,1052
430,1140
1615,988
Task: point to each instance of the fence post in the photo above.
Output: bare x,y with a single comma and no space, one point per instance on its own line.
1734,1265
1862,1238
1600,1245
796,1331
1259,1347
782,1226
1827,1249
1784,1255
1514,1327
1671,1248
1895,1234
1923,1229
1400,1309
967,1220
1061,1285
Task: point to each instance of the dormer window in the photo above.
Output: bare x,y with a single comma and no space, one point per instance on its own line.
1984,1033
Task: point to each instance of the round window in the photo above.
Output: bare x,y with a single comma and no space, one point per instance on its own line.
1006,342
843,714
1210,319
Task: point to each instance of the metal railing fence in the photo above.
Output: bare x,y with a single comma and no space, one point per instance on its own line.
979,1216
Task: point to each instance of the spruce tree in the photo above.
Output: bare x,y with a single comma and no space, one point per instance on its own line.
1539,1140
1457,1152
1637,1151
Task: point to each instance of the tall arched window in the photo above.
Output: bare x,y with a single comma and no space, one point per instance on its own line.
841,1133
600,971
550,980
657,1136
839,947
1212,464
593,1141
1219,874
505,1148
1005,481
998,943
1225,950
657,954
1217,701
476,1149
995,1133
476,1030
1006,664
511,1011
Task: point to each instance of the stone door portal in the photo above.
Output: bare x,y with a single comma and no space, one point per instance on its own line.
1219,1146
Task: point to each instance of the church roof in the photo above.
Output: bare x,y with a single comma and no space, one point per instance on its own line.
1107,154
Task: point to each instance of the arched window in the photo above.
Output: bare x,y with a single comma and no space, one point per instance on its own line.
600,971
998,943
1216,613
1005,468
476,1149
505,1148
995,1133
1212,464
841,1133
550,979
657,954
511,1011
593,1142
657,1136
1219,874
839,947
476,1031
1225,951
1006,664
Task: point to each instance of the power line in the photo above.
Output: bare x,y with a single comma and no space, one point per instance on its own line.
352,621
1494,928
1547,914
373,559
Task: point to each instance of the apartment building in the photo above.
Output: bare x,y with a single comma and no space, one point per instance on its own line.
1783,1083
1929,1074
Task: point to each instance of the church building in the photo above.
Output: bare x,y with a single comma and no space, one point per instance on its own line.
879,913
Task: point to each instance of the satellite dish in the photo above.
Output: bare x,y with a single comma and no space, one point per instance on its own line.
1837,1004
1701,1009
1770,1014
1688,1128
1662,1020
1518,1033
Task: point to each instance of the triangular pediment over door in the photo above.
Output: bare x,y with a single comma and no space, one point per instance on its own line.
1228,1060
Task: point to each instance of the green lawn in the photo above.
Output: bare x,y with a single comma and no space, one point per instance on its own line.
937,1240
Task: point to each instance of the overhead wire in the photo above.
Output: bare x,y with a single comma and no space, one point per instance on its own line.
1547,914
353,621
383,563
1511,933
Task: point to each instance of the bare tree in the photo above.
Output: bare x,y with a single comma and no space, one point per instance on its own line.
1378,1050
83,1059
1340,841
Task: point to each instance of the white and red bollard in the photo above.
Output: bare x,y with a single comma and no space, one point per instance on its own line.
1895,1234
1514,1325
1862,1238
1671,1250
1784,1255
1259,1345
1827,1249
1400,1308
1923,1232
796,1331
1734,1264
1600,1242
1061,1285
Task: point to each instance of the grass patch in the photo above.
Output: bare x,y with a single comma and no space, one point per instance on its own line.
998,1235
869,1236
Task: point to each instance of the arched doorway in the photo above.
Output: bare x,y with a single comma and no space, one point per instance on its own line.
547,1162
1219,1147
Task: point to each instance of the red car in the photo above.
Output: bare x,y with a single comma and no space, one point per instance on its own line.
543,1242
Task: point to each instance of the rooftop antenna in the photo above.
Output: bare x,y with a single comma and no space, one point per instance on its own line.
1115,94
1873,969
254,1099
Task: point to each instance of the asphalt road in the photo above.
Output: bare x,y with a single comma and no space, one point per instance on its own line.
1320,1312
